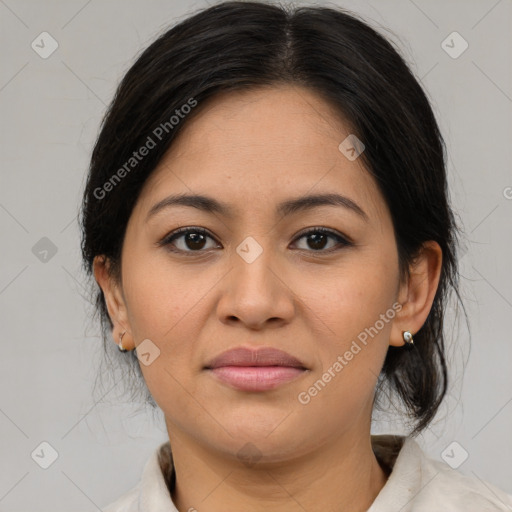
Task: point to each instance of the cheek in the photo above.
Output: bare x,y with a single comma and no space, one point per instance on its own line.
157,296
163,309
353,309
351,296
166,307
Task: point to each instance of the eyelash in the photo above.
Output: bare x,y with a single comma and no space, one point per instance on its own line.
167,241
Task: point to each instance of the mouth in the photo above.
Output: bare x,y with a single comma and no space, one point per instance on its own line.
256,370
256,378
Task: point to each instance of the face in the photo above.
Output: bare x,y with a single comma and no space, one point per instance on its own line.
259,276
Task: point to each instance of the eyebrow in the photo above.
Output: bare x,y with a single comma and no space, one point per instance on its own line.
288,207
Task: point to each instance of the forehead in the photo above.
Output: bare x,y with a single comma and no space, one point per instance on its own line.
257,147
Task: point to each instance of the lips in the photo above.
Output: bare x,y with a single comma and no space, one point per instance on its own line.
255,370
264,356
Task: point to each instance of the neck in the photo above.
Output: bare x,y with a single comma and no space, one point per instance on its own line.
341,475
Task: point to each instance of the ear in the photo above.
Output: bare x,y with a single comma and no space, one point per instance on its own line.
114,299
417,294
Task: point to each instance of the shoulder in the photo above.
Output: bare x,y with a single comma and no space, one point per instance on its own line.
129,502
450,490
151,492
418,483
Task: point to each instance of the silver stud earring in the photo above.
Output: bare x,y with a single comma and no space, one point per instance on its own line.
409,340
120,345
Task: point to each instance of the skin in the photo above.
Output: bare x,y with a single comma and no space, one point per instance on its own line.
254,149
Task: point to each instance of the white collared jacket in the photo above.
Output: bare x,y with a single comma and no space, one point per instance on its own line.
416,484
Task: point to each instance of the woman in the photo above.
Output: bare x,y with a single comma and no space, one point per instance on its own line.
267,217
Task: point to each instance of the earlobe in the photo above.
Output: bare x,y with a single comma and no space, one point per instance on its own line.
418,293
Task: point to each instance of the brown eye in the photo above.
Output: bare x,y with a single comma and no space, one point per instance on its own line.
192,240
189,240
317,239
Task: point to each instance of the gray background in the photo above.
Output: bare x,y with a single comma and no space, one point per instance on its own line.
50,111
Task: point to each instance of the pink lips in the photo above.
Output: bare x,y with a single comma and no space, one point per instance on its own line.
255,369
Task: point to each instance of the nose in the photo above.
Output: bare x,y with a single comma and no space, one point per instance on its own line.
257,292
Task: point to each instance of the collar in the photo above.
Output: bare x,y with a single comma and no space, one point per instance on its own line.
415,483
158,475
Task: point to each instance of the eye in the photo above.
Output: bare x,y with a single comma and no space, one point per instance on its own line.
191,238
194,240
317,238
